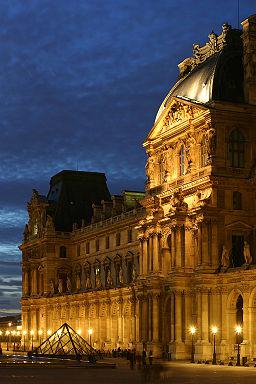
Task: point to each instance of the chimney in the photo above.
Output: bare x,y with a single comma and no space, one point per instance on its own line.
249,44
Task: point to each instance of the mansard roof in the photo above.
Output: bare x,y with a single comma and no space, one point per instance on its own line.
72,194
214,72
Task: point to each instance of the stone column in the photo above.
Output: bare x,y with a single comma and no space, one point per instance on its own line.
205,316
178,310
178,245
200,244
144,319
214,243
141,256
205,239
144,256
151,253
155,253
246,326
156,324
150,318
188,316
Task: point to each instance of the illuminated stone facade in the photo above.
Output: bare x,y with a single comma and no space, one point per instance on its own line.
187,256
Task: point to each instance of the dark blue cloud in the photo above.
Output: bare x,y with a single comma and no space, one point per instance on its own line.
81,82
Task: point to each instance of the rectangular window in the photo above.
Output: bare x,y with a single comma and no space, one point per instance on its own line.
118,238
107,242
87,247
237,200
97,245
221,198
129,235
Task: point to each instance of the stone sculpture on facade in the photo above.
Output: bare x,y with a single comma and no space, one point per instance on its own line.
78,282
60,285
109,278
69,285
88,283
225,262
120,275
247,253
52,288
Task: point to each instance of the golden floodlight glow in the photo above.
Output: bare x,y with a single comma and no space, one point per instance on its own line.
59,332
7,333
1,333
192,330
32,332
49,332
13,333
238,329
90,331
18,333
10,324
40,332
214,330
24,333
79,331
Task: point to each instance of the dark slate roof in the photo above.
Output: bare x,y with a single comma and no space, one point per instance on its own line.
220,77
72,194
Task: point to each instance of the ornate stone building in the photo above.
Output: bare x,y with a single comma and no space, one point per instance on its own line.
140,270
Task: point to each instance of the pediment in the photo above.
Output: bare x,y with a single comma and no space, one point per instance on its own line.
176,112
238,225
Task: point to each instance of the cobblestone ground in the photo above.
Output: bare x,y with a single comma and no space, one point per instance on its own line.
172,373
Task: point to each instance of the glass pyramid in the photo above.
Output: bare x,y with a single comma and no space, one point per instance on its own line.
66,343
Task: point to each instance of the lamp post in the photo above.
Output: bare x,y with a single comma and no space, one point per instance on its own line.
7,342
214,331
18,338
14,334
90,331
238,331
32,339
192,330
40,332
24,340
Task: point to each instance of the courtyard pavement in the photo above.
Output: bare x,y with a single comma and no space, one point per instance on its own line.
165,372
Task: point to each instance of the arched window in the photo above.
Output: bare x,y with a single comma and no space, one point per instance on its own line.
239,316
237,200
203,153
63,252
182,161
236,148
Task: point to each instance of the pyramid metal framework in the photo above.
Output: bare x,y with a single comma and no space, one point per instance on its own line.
66,343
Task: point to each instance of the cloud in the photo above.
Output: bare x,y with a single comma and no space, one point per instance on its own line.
81,83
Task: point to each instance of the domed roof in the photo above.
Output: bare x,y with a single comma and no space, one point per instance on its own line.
212,74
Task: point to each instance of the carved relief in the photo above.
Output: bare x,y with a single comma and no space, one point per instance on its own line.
179,112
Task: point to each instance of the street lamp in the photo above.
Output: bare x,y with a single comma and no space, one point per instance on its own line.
32,339
14,334
7,343
238,331
40,332
192,330
214,331
24,340
90,331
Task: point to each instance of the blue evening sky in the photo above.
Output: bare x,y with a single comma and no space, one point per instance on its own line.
80,83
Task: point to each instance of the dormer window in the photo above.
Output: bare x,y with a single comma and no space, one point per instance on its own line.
236,145
63,252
